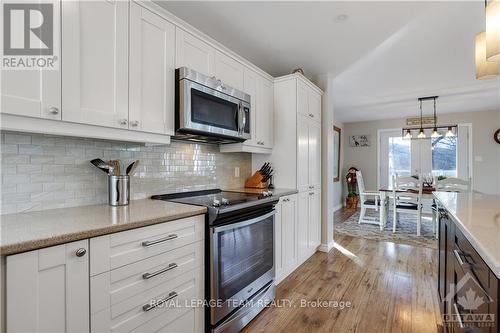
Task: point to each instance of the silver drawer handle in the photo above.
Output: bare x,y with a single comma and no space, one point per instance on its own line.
157,303
458,315
171,266
161,240
459,258
469,265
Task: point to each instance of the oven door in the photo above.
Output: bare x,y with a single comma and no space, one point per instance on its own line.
242,262
204,110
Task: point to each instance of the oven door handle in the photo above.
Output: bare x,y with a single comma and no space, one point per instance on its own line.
244,223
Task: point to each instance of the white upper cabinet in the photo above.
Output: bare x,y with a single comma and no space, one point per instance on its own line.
250,86
265,113
152,72
228,70
302,153
314,154
48,289
194,53
33,93
94,62
308,101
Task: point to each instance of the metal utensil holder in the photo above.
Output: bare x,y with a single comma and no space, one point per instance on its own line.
118,190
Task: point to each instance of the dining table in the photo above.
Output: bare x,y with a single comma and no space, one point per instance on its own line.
385,193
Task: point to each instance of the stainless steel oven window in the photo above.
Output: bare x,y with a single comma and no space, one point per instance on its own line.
242,261
187,121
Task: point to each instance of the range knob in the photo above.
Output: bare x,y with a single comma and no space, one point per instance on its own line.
225,201
266,194
216,203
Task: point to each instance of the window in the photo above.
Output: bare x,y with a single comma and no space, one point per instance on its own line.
399,157
444,156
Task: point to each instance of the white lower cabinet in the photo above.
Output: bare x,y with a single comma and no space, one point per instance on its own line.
48,289
148,279
297,231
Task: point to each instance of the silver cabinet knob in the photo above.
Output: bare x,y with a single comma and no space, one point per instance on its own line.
123,122
134,123
311,115
54,110
80,252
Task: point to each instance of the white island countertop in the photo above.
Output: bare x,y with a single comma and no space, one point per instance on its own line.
477,215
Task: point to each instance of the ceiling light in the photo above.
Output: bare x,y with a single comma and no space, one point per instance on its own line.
341,18
435,133
484,69
421,134
450,132
493,31
408,134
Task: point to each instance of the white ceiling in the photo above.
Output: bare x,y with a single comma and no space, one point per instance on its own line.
384,56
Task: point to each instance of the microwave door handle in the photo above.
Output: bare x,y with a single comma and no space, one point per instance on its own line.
244,122
241,121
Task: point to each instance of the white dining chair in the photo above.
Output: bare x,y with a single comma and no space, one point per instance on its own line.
369,200
450,184
407,202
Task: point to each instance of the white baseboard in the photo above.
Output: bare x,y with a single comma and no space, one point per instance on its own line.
326,247
339,206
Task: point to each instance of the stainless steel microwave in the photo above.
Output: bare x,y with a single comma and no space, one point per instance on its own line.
208,110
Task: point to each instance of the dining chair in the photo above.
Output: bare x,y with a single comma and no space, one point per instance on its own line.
410,201
450,184
369,200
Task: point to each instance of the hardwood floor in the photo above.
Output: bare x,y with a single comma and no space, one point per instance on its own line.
392,288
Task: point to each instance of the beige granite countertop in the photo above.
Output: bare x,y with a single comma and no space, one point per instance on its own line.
477,215
34,230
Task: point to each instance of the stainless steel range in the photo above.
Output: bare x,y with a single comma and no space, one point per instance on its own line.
239,254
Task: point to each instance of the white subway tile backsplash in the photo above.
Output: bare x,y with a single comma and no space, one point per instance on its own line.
44,172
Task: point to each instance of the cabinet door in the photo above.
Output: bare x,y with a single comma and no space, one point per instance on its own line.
33,93
48,289
228,70
314,105
303,225
302,153
289,233
314,154
265,116
250,82
314,236
278,239
302,102
193,53
152,55
94,66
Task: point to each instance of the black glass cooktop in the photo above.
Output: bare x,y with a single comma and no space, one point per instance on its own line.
212,198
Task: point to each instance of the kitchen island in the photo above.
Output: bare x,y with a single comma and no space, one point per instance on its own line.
469,261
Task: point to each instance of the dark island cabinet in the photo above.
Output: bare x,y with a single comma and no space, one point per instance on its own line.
468,290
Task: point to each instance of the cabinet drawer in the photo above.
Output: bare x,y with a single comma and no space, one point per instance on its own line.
116,250
469,256
132,313
112,287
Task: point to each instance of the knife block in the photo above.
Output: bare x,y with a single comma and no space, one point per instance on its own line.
256,181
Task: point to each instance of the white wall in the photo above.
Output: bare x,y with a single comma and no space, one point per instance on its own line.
485,151
327,187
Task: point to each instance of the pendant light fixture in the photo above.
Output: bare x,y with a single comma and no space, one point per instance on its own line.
486,69
435,133
407,132
421,134
493,30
